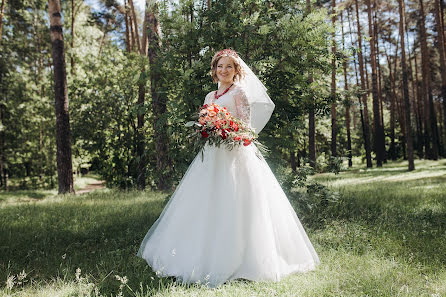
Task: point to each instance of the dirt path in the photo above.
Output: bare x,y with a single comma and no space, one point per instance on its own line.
91,187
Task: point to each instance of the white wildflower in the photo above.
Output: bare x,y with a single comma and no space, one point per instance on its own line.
78,274
22,275
64,256
10,282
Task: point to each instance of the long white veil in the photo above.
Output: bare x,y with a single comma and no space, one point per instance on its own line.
260,103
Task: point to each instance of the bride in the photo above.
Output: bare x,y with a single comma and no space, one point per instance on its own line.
229,217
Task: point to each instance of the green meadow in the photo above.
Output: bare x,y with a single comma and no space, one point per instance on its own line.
386,236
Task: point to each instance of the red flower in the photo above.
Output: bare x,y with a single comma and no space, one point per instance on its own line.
246,142
223,134
204,134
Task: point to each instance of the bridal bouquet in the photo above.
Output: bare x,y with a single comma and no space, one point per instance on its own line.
217,126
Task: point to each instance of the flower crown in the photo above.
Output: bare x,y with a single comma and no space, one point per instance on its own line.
227,52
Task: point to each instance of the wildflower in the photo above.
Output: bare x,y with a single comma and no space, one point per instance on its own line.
64,256
10,282
78,274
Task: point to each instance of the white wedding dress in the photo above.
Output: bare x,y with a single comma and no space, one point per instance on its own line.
228,218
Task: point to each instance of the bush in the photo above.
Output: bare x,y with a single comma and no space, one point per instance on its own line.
313,202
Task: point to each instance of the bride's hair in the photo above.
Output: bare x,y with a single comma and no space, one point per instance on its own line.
239,72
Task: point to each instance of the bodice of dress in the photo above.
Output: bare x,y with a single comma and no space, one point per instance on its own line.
235,101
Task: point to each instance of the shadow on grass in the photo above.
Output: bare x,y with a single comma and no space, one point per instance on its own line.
31,194
411,235
53,240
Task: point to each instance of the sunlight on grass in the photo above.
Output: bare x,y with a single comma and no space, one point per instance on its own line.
386,237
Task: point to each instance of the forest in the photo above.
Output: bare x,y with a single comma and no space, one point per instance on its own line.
98,92
359,81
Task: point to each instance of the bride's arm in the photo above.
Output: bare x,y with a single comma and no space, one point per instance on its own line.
242,106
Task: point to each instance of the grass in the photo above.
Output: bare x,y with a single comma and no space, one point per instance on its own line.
386,237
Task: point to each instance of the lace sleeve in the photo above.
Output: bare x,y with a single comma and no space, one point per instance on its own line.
242,106
207,99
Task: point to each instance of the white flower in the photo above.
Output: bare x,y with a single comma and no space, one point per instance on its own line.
22,275
78,274
10,282
64,256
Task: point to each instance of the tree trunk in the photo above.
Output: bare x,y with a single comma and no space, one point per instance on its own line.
392,149
64,162
431,149
348,103
311,117
132,31
159,100
135,25
355,62
442,52
407,123
2,7
364,95
379,133
420,104
72,38
140,142
333,81
127,30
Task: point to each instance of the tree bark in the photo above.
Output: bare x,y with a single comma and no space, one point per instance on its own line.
333,81
442,52
364,95
64,159
72,38
140,143
159,100
127,30
429,115
2,7
420,105
409,139
379,132
347,104
135,25
392,149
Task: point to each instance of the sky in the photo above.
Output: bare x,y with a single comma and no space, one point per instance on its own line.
95,4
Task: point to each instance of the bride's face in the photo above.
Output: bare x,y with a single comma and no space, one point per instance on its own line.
225,70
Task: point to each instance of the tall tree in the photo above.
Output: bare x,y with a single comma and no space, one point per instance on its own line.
430,136
409,138
333,80
135,25
2,7
379,144
159,99
64,159
311,118
347,102
442,52
364,94
140,145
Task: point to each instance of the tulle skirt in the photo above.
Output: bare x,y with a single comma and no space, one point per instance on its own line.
228,219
